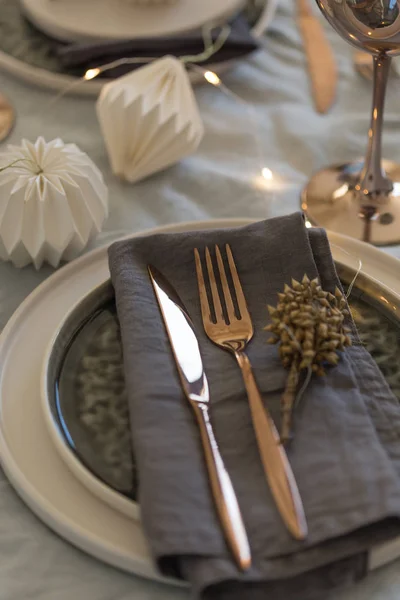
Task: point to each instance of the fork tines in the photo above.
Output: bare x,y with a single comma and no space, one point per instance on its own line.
228,297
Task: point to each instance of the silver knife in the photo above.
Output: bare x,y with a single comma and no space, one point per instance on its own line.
185,349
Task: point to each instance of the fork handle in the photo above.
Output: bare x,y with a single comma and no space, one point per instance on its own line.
224,495
273,456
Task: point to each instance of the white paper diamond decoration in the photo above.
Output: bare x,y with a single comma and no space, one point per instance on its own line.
53,200
149,119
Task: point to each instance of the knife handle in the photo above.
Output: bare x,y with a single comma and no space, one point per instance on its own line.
276,465
222,489
320,57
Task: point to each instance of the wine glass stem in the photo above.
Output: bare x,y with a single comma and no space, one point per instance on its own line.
373,180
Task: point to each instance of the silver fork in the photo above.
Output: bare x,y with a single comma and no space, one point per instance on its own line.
233,334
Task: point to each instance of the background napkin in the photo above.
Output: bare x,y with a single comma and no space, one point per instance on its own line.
345,454
239,43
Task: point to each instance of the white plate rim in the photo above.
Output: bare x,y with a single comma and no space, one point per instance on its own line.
51,515
71,85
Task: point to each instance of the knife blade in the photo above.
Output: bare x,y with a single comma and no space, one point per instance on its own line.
186,352
320,58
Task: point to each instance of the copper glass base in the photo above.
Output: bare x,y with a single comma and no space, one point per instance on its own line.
331,201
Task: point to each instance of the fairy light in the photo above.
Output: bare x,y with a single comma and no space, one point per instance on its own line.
267,174
91,74
212,78
266,180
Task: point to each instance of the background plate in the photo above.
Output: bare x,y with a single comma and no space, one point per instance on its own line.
28,54
97,20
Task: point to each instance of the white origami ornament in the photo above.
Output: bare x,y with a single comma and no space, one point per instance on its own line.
52,201
149,119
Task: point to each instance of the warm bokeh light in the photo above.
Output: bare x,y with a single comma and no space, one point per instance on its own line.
269,181
91,74
212,77
267,173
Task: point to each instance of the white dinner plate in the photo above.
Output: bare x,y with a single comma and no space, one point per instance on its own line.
99,20
27,453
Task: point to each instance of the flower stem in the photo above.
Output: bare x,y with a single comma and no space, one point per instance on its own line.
287,402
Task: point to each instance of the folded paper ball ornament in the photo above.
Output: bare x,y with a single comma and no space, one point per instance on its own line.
149,119
53,200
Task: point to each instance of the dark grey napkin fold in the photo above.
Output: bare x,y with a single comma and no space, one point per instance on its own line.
344,456
240,42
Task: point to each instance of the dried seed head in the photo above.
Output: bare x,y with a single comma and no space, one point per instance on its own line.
308,324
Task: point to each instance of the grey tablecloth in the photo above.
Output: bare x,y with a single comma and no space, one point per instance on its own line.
221,180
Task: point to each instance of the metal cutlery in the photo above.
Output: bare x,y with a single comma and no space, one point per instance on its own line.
320,57
232,333
185,348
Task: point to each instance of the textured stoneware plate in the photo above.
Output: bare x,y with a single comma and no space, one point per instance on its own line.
29,54
27,452
85,402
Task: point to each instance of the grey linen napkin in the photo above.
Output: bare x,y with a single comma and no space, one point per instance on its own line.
346,451
239,44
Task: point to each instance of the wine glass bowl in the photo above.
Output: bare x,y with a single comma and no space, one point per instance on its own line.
372,25
362,199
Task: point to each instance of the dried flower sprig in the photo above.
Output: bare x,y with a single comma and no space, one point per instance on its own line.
308,323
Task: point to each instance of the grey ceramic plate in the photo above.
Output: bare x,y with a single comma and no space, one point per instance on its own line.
86,387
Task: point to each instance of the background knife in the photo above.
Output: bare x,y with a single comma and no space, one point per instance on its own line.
320,57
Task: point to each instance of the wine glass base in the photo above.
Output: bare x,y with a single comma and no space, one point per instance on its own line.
330,200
